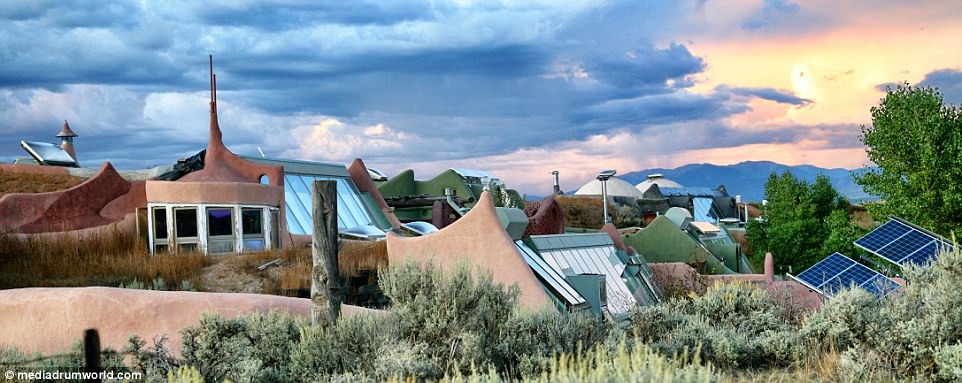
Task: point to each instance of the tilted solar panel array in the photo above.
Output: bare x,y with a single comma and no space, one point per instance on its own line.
902,244
837,272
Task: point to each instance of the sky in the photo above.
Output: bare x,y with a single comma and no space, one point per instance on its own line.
517,88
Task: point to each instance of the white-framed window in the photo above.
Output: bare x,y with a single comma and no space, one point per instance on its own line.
212,228
159,234
186,228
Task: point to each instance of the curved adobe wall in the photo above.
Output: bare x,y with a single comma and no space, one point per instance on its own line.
49,320
221,165
544,217
479,238
103,199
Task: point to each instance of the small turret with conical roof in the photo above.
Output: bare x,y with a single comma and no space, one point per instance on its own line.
66,141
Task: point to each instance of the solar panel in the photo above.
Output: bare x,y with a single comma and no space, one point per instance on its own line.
46,153
902,244
837,272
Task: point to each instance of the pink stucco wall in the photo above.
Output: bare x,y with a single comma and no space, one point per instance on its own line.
49,320
479,239
100,200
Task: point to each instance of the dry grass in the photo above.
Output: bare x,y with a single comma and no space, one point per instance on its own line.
353,258
12,182
292,277
584,212
818,367
106,259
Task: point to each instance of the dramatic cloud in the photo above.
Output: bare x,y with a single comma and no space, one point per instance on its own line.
949,82
518,88
777,95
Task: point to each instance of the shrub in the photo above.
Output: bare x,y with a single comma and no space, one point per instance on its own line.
256,347
455,317
530,340
732,324
916,332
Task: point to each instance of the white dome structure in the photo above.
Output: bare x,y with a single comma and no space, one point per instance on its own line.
616,188
657,179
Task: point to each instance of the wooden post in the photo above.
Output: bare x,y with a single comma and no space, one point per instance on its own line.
325,279
91,353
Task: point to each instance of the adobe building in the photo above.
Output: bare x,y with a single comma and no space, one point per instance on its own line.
214,202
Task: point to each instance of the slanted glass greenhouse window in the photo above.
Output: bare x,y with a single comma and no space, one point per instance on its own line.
351,211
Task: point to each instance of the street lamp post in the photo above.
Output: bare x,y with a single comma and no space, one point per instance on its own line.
603,177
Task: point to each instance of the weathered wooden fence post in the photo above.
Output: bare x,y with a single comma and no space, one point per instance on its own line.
325,279
91,353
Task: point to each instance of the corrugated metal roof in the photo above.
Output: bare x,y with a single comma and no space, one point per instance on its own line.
303,167
589,254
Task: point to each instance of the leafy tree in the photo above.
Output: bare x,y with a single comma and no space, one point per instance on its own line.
802,223
916,141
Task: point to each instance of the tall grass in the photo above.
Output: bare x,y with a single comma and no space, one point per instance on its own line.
102,259
13,182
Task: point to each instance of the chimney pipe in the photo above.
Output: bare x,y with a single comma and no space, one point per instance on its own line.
557,187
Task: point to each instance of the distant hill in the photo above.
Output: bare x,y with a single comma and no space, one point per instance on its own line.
748,178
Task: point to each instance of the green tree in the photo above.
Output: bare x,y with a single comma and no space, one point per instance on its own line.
802,223
916,141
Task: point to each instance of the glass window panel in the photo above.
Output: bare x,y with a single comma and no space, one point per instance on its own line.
253,244
298,214
188,247
185,222
160,223
252,221
220,222
221,246
353,203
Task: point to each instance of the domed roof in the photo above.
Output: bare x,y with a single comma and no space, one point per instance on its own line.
616,188
657,179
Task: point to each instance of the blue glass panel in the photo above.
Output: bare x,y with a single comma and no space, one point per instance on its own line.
297,198
703,210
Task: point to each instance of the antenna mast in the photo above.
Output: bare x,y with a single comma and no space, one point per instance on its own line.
213,86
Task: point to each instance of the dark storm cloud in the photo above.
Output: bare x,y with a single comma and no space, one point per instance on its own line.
777,95
647,66
275,15
949,82
459,81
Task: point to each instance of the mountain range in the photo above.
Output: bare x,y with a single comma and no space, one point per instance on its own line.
748,178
